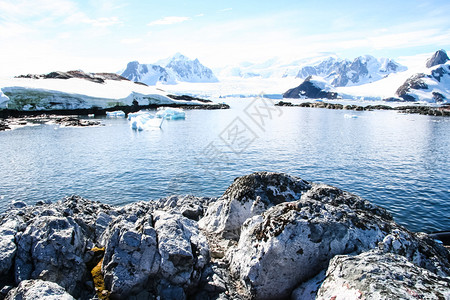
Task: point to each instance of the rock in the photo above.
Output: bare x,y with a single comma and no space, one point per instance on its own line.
377,275
52,248
291,242
439,57
75,122
38,290
7,249
131,255
308,290
419,249
184,250
158,252
248,196
94,77
309,88
189,206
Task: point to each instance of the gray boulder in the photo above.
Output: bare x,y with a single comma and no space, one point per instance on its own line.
249,196
292,242
378,275
52,248
162,253
8,247
419,249
131,255
38,290
184,250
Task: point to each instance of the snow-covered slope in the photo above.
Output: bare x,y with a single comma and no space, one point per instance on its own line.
432,86
78,93
178,68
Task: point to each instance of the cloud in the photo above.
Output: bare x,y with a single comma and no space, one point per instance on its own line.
169,21
131,41
226,9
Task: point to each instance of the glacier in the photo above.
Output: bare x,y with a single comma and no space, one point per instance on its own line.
77,93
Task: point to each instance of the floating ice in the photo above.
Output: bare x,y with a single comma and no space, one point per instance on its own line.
347,116
139,113
115,114
170,113
144,121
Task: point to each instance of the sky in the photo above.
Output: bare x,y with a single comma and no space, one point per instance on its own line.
40,36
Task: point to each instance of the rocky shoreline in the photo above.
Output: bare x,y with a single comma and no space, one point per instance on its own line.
409,109
269,236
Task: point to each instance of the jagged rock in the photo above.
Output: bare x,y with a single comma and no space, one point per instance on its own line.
184,250
92,216
377,275
7,248
38,290
131,255
439,57
419,249
189,206
160,252
310,88
52,248
291,242
248,196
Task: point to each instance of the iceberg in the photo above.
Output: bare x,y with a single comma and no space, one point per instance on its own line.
144,121
115,114
171,113
3,100
139,113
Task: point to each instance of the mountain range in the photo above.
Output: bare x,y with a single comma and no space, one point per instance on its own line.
176,69
332,78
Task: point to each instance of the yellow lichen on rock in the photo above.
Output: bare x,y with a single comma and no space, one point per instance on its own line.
97,275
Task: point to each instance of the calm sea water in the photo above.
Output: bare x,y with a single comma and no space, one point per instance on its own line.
400,162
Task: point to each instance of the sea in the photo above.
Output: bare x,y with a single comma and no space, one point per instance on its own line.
397,161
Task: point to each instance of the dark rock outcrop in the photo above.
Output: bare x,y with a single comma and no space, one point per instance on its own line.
438,58
415,82
307,89
94,77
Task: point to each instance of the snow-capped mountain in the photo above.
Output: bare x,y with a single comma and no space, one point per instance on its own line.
149,74
362,70
312,87
334,70
178,68
187,70
432,85
427,82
